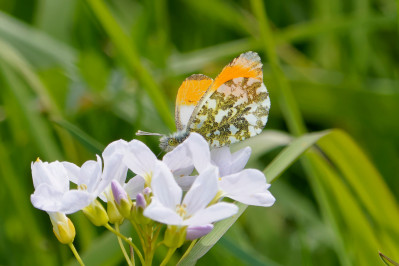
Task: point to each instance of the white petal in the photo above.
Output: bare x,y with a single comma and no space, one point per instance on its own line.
221,157
116,147
185,182
53,174
72,171
263,199
199,150
90,174
139,158
160,213
239,159
46,198
114,169
202,191
134,186
179,160
75,200
248,186
165,188
212,214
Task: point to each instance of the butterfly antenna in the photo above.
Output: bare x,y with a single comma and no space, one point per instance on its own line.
144,133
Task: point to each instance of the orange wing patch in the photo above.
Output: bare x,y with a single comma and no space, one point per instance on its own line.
247,65
188,96
192,89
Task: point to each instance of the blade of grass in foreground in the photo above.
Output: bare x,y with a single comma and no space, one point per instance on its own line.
285,158
341,203
354,229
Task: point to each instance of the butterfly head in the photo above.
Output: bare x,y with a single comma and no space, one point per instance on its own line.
168,143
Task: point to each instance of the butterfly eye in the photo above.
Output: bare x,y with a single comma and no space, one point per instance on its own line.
171,142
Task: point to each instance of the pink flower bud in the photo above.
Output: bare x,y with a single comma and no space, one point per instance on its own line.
194,232
118,191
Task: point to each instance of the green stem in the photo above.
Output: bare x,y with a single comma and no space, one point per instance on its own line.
129,262
168,256
149,244
139,232
189,249
75,252
126,240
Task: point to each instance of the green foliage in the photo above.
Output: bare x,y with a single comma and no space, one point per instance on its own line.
73,81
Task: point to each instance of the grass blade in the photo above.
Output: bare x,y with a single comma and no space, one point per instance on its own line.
127,49
87,141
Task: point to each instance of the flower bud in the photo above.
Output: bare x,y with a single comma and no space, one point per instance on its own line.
140,201
147,191
175,236
96,213
63,227
113,213
122,200
138,210
194,232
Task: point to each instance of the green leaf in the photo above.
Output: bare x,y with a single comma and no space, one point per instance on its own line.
275,168
87,141
291,153
34,44
130,55
342,204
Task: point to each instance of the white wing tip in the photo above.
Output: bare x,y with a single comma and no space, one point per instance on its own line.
252,56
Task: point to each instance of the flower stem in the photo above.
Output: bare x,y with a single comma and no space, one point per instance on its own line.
129,262
139,232
189,249
168,256
75,252
127,240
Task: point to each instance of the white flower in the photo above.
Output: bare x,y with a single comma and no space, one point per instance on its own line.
168,207
87,177
52,193
248,186
192,153
140,160
97,181
229,163
115,167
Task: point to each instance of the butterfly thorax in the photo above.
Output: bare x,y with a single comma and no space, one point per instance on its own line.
168,143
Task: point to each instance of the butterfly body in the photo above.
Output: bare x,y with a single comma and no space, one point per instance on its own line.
229,109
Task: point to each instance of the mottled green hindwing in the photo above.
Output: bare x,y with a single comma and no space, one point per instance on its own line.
237,110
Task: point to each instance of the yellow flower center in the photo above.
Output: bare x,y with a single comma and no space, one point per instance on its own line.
82,187
181,210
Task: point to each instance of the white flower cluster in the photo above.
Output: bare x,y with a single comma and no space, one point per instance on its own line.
184,189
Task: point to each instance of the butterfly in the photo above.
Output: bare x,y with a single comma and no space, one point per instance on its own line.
233,107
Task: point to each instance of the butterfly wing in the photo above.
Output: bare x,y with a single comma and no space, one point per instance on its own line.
188,96
236,105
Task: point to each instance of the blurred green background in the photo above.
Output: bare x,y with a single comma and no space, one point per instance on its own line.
76,75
